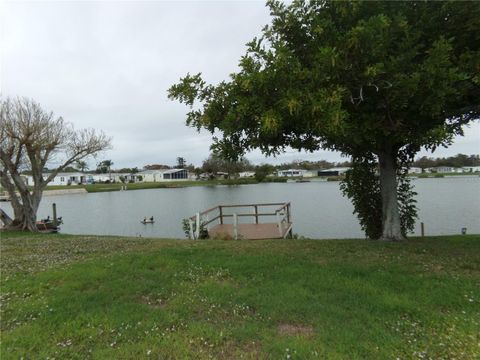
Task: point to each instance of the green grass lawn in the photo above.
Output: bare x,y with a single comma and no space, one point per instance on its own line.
77,297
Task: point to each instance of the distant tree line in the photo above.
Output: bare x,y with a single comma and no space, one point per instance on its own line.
215,163
458,160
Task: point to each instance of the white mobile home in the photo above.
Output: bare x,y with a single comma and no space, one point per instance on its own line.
415,170
291,172
471,169
446,169
333,171
164,175
71,178
246,174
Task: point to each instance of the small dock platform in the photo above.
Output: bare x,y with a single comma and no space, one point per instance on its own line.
243,222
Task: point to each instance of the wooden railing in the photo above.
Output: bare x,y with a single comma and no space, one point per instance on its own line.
282,212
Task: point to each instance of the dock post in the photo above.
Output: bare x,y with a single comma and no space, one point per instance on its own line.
191,233
197,229
235,226
221,214
279,223
54,208
422,227
256,214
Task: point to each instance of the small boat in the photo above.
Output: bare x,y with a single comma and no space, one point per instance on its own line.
46,225
50,221
147,221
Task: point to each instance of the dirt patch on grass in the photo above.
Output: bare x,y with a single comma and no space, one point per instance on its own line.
295,330
155,303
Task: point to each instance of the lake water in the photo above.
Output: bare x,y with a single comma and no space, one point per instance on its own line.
319,209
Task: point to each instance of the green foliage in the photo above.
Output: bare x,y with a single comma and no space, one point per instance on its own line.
203,233
217,163
262,171
346,76
372,78
81,165
104,167
362,186
181,163
406,203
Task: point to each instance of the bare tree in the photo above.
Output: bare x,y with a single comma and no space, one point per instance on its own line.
29,138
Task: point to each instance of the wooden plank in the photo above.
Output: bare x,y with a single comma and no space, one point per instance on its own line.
248,205
252,214
249,231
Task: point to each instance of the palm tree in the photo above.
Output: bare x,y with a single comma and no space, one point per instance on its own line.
108,164
82,165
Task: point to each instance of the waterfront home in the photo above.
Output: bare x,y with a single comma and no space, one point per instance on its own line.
471,169
415,170
163,175
310,173
446,169
124,177
101,178
246,174
291,172
333,171
175,174
151,175
63,178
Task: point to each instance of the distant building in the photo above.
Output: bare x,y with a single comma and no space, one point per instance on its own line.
175,174
333,171
415,170
310,173
446,169
291,172
246,174
164,175
471,169
124,177
151,175
62,178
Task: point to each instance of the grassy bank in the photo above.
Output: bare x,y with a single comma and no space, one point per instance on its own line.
82,297
161,185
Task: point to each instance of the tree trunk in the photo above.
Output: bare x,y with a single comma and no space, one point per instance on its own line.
7,220
25,211
25,218
391,226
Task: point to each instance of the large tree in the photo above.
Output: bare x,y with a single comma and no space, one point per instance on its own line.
216,163
367,79
30,137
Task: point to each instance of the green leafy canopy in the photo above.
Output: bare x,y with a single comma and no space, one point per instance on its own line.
349,76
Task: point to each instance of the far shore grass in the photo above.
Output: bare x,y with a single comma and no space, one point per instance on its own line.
91,188
97,297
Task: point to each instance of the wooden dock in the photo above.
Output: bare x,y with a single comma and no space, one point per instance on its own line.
222,222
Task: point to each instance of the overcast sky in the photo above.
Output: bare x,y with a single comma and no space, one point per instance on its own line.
108,65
